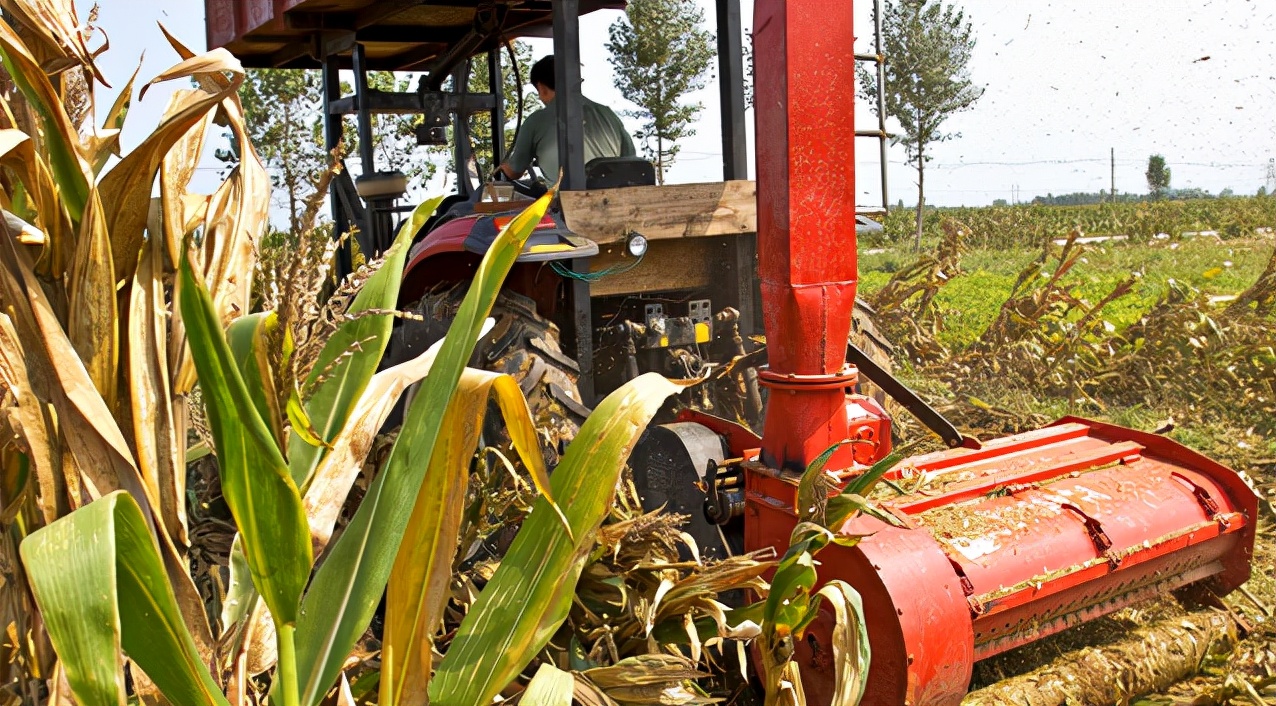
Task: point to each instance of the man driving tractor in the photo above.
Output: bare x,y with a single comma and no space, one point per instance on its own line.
605,135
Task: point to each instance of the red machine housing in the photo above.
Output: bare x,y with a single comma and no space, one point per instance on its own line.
1007,544
1000,545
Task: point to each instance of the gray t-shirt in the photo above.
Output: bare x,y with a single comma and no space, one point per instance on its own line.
605,136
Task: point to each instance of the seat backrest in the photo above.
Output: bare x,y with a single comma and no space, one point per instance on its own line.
615,172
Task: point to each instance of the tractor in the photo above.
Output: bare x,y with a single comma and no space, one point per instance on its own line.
624,277
994,544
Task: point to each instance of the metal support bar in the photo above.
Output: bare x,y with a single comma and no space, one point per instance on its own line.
571,143
881,95
582,318
735,155
735,150
496,85
461,132
364,116
571,157
916,406
332,134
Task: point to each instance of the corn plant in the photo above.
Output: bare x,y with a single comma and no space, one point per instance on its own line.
95,372
793,602
317,620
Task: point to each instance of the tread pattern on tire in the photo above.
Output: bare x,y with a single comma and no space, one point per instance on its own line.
523,345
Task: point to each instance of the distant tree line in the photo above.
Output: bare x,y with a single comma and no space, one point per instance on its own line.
1084,198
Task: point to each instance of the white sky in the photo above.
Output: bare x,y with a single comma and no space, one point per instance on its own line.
1066,81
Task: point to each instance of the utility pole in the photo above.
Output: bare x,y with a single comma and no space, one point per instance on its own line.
1112,188
1271,175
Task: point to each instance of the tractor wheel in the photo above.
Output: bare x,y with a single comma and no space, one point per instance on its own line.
523,345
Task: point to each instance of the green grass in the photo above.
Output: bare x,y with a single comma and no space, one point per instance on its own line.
973,298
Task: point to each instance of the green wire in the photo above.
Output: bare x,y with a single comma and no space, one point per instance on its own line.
569,273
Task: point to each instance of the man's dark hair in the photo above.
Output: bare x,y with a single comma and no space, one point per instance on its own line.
543,72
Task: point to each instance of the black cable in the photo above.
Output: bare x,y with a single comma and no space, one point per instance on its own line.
518,78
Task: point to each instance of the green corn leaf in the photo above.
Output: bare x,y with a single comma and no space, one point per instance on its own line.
255,480
247,339
350,357
790,587
348,585
815,485
531,591
100,585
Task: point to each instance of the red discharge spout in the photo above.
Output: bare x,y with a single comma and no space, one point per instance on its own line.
805,85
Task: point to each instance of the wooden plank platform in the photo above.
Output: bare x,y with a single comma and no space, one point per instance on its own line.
662,212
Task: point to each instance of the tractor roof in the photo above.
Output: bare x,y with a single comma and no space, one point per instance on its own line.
398,35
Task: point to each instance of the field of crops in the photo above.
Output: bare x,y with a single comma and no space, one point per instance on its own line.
1028,225
1169,334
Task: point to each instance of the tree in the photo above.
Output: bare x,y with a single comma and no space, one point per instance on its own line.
281,109
661,53
927,46
1158,176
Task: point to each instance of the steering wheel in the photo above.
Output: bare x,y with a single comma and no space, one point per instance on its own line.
528,187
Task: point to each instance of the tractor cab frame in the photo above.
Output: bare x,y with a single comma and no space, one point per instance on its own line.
620,311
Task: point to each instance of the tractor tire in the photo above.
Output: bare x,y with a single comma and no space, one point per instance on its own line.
523,345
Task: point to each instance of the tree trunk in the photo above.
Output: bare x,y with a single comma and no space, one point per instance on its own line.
921,197
660,160
1148,660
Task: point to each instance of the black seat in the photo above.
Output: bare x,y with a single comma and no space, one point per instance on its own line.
615,172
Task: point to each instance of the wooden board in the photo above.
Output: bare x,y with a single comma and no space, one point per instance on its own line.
668,265
662,212
501,206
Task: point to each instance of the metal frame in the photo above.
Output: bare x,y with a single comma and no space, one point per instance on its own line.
444,108
880,134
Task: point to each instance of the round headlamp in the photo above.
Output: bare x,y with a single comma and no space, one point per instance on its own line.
636,245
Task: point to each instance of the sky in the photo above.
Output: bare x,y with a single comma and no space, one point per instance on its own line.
1066,83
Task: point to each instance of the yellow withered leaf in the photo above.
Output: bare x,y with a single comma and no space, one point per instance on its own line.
126,187
419,582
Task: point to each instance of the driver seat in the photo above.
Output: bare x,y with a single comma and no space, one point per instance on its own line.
616,172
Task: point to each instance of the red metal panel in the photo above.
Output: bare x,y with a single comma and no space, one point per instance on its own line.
805,180
222,23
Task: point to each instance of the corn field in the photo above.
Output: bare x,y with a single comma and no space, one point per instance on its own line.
1030,225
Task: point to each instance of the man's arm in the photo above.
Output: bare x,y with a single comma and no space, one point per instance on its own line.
519,160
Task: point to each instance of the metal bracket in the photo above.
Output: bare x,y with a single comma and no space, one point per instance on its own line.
700,311
1203,497
1102,543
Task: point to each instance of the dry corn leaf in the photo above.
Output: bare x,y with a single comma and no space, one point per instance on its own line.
126,187
58,25
155,435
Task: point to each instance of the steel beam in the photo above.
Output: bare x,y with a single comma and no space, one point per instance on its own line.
571,156
735,153
332,134
363,114
496,84
571,143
